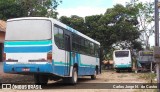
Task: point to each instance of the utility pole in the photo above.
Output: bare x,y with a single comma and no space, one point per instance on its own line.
157,39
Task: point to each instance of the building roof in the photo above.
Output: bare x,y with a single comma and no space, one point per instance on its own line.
2,26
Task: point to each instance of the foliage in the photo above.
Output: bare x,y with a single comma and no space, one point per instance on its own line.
39,7
145,17
92,24
10,9
75,22
117,27
28,8
120,24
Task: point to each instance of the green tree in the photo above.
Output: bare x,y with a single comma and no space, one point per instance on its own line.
66,20
88,25
146,18
120,26
91,26
10,9
26,8
40,8
75,22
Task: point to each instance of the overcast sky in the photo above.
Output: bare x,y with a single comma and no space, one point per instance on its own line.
84,8
87,7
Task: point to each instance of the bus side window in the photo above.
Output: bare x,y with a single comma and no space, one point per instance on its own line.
96,50
82,48
87,47
92,48
59,38
56,38
75,42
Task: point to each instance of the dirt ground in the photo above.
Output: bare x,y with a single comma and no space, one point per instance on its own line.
85,84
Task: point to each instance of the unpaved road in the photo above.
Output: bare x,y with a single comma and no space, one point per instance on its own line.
105,77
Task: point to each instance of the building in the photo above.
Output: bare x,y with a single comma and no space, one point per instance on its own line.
2,36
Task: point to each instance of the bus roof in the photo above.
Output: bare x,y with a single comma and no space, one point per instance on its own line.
58,23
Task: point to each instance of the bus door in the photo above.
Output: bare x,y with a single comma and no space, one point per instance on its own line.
67,54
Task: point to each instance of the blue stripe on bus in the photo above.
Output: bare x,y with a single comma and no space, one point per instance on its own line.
44,68
27,49
27,43
86,70
123,66
33,68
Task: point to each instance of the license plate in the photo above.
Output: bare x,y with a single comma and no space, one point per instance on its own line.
25,69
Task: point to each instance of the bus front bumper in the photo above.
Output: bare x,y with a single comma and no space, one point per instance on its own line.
27,68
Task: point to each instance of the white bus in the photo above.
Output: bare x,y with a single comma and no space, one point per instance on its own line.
49,49
122,60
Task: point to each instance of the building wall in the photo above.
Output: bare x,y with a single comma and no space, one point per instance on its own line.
1,52
2,36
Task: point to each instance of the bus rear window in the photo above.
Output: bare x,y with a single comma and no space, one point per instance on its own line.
30,29
121,53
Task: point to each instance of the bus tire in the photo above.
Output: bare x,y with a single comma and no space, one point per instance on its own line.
66,80
129,70
117,70
93,77
73,80
41,79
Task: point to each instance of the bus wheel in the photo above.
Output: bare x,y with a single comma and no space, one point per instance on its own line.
66,80
93,77
74,78
40,79
129,70
117,70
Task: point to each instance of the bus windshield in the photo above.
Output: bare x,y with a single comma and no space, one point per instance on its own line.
28,30
122,53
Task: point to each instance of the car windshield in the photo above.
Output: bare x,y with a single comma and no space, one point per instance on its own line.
121,53
28,30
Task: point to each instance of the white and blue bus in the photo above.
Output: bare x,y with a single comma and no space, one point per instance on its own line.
122,60
49,49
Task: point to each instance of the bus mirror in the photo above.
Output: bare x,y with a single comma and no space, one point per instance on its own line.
156,54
